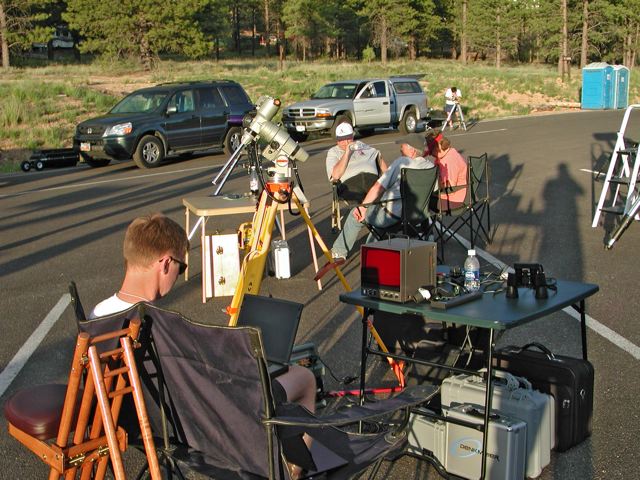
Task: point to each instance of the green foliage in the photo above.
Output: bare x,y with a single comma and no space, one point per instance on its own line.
140,28
368,54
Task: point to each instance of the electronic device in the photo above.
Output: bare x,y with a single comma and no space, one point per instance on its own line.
278,322
396,268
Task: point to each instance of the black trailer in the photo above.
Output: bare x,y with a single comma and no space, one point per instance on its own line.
57,157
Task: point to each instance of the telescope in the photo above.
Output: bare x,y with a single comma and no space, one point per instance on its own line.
278,146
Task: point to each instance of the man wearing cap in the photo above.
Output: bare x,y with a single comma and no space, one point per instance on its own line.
355,166
387,189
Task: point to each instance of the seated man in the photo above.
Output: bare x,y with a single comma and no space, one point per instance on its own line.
354,165
452,177
154,250
387,189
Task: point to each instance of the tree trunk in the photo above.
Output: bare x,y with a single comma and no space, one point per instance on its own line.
585,34
267,33
383,40
463,34
498,44
563,41
412,48
281,46
3,37
253,32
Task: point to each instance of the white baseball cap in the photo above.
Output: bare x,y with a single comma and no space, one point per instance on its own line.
344,131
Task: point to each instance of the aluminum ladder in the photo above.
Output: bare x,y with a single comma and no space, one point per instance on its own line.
622,172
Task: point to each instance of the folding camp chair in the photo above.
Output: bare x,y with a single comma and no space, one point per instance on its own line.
474,212
221,421
416,188
87,409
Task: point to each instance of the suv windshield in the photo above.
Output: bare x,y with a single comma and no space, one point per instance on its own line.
336,90
141,102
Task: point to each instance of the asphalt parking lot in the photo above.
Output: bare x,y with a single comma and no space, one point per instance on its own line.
68,224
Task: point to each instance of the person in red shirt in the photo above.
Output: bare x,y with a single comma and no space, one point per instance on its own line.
452,177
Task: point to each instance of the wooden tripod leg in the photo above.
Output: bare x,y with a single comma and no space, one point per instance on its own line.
105,411
395,366
141,410
252,269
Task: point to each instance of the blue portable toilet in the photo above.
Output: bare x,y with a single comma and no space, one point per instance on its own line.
596,86
620,85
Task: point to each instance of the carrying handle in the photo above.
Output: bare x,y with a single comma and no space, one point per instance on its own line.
513,382
530,346
474,412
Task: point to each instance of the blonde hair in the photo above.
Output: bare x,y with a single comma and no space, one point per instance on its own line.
152,236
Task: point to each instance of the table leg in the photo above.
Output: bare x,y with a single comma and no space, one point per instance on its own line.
202,254
363,359
487,403
583,328
186,257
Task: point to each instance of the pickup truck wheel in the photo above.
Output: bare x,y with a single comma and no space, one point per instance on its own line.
149,152
232,140
409,122
339,119
94,162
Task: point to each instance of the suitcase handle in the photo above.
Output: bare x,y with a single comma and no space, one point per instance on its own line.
474,412
513,382
540,347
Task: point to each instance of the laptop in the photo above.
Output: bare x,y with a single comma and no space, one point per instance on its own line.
278,322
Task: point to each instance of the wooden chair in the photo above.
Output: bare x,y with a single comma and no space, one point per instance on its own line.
83,416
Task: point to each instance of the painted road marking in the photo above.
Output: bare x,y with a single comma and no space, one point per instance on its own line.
21,358
98,182
602,330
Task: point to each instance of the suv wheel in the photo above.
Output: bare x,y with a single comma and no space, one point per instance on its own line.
232,140
409,122
149,152
94,162
340,119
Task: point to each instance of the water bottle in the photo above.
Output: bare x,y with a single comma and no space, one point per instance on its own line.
357,146
254,184
472,272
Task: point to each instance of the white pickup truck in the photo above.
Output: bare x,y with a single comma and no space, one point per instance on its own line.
397,102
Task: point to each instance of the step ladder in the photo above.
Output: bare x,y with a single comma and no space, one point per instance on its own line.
620,189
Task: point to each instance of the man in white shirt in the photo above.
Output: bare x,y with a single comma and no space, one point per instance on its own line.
355,165
451,98
387,189
154,251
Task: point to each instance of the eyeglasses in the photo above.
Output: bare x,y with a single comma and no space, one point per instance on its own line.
183,266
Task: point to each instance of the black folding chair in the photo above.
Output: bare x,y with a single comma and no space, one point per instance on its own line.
416,188
214,408
474,213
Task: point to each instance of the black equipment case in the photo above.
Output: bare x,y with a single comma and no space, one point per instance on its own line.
569,380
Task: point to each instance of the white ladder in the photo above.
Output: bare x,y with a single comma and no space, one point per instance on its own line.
620,173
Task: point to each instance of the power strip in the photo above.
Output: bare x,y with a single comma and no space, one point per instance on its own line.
455,301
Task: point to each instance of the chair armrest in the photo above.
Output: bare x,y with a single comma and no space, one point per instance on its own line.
292,415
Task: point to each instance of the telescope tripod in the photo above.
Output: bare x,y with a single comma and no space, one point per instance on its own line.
253,265
456,108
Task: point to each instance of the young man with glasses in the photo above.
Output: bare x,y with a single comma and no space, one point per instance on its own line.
154,250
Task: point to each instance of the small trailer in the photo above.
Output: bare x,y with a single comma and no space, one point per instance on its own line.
58,157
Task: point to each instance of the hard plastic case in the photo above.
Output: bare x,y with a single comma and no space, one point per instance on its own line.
568,380
512,397
506,447
427,436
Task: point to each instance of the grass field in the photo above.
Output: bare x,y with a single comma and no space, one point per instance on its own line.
42,105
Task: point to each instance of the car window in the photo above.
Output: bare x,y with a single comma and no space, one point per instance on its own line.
183,101
235,95
336,90
379,89
140,102
407,87
210,99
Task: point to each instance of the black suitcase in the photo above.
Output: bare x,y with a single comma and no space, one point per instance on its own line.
568,379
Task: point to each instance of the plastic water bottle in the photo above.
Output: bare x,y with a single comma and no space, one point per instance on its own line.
357,146
472,272
254,184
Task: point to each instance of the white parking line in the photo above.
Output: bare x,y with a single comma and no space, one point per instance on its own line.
602,330
112,180
450,135
21,358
